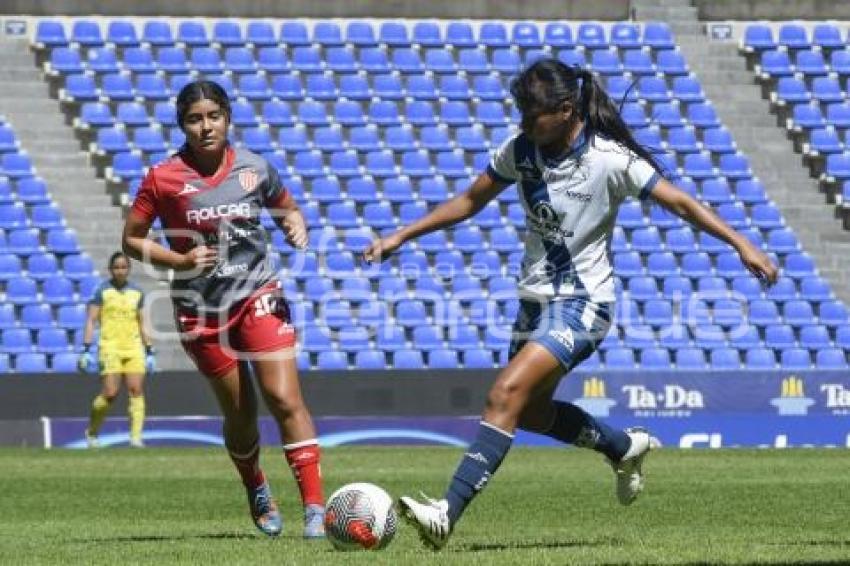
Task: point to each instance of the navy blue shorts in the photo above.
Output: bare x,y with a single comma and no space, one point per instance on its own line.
571,329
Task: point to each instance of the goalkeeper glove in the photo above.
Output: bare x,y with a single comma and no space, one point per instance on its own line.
84,361
150,359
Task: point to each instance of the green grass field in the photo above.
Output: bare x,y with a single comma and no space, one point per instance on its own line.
545,506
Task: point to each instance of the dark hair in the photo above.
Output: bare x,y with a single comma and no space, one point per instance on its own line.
116,256
547,83
200,90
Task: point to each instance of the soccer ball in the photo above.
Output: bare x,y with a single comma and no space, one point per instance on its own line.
360,516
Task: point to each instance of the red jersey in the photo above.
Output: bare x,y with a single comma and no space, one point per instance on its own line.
221,211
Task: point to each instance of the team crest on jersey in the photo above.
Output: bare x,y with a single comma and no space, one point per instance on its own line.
248,180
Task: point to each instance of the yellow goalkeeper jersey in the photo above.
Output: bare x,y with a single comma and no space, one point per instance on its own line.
119,317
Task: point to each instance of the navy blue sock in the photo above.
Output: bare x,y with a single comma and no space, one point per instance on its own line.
574,425
480,462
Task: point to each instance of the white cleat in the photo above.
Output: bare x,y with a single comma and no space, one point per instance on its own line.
630,478
431,519
92,440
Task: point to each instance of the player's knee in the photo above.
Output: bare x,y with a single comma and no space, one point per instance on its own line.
505,396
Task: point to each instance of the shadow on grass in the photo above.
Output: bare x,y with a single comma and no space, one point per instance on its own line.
168,538
542,544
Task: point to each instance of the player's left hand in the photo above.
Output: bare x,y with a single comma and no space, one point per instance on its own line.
758,263
150,360
295,230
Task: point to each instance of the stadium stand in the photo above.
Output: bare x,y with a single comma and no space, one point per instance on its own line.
371,123
42,270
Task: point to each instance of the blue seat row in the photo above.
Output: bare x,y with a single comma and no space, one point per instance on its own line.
124,33
761,37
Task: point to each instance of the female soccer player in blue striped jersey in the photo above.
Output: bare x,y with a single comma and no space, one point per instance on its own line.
574,161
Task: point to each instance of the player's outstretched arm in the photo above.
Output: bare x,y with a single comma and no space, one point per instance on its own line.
457,209
692,211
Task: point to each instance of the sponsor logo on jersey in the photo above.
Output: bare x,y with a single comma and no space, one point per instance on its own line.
188,189
248,180
199,215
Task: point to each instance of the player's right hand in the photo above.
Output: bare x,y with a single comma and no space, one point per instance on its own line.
381,249
201,258
84,362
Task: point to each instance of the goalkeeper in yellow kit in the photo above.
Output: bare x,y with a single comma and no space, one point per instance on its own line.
124,348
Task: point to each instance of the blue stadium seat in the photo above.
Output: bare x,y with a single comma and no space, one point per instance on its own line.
493,35
814,337
826,90
31,363
66,61
353,339
620,359
390,338
815,288
86,33
807,116
797,312
557,35
759,37
407,359
658,35
71,317
117,87
798,265
260,34
671,63
354,87
370,359
795,358
331,360
718,140
473,61
573,58
374,60
766,216
810,63
638,62
341,60
477,358
37,316
691,358
653,89
655,358
16,341
192,34
793,36
827,36
606,62
776,64
831,358
760,358
360,33
64,362
344,164
58,290
42,266
833,313
52,340
658,313
687,89
50,34
505,61
80,88
227,34
625,35
591,35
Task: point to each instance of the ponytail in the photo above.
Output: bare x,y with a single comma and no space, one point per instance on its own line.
602,116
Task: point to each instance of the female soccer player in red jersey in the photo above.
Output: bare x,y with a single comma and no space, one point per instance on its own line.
228,305
574,161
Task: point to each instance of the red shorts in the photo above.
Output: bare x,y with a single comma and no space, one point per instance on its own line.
261,323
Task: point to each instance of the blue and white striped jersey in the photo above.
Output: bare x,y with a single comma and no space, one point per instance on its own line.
571,207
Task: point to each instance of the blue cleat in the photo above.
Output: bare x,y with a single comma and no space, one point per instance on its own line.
314,522
264,510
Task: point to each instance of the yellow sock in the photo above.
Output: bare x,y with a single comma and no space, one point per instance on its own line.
136,411
99,408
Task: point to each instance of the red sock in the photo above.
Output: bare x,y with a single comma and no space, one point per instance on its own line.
303,459
248,466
